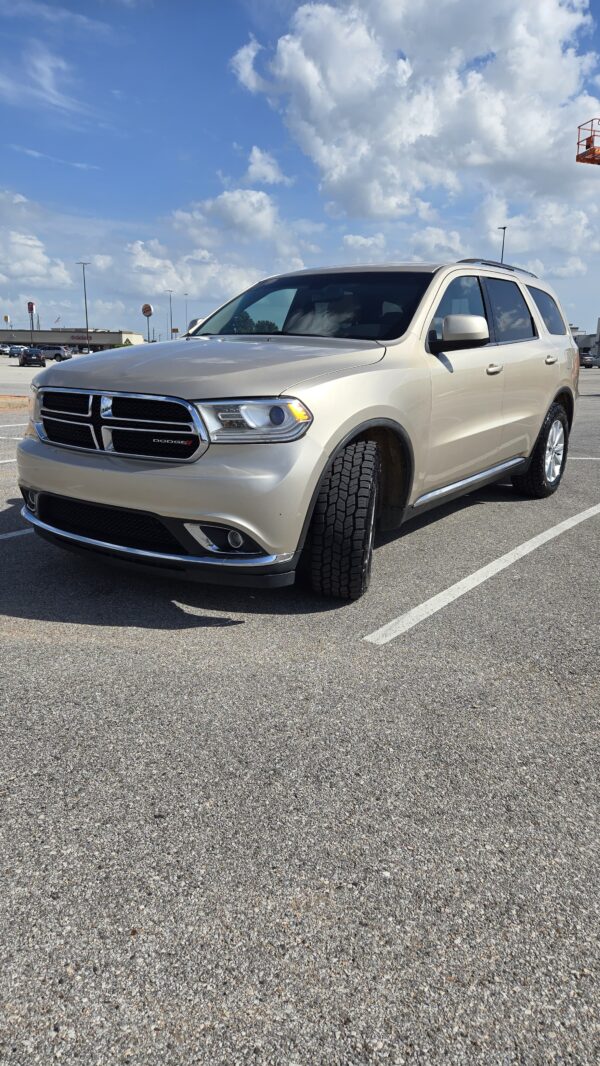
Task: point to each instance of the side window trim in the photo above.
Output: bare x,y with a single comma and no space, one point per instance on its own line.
523,340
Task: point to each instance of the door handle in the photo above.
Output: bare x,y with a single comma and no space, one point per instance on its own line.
494,368
550,359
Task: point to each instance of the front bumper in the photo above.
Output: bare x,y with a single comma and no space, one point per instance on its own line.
264,571
264,491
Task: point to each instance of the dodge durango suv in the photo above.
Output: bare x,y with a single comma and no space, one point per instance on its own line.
300,417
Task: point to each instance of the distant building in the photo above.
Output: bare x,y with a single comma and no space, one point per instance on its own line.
74,337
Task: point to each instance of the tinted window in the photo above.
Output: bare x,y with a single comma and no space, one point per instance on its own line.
512,318
548,309
462,297
375,305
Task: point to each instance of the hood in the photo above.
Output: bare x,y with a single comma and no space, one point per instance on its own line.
205,368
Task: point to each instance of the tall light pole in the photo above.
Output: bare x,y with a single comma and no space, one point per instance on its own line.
170,292
504,229
186,294
83,264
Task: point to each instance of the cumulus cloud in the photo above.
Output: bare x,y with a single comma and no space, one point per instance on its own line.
394,106
199,273
25,260
264,169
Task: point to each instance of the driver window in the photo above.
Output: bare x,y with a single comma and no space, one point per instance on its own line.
462,297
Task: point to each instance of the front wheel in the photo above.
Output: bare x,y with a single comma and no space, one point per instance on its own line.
343,524
548,458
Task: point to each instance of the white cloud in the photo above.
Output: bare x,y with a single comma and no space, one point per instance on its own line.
365,249
34,154
26,260
40,81
395,106
52,14
102,262
243,66
264,169
435,244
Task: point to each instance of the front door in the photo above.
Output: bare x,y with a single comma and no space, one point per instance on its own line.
466,396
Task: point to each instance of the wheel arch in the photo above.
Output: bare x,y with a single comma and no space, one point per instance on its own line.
565,398
397,458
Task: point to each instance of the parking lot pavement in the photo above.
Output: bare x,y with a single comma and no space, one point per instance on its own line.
237,831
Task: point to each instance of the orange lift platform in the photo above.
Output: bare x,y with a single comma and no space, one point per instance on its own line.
588,142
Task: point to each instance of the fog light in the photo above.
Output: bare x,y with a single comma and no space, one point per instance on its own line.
235,539
31,500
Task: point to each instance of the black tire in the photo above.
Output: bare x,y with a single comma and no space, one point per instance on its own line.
43,362
535,483
343,523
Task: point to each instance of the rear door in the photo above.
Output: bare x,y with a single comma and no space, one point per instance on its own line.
530,365
466,395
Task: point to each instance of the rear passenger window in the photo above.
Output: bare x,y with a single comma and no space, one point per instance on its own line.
512,318
462,297
548,308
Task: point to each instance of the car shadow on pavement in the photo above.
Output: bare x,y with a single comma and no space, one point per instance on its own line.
52,585
498,493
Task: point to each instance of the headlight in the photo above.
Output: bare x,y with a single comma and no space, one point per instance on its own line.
243,421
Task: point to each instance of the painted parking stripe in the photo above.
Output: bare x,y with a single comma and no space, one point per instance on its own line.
585,458
407,621
8,460
17,533
13,425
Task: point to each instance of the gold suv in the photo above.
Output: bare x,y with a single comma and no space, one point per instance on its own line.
301,416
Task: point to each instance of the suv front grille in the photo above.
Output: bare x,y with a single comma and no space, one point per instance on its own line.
130,529
141,427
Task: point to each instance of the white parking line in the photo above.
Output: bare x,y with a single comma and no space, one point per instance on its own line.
407,621
8,460
585,458
13,425
17,533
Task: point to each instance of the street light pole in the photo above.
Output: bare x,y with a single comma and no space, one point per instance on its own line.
186,294
170,292
504,229
83,264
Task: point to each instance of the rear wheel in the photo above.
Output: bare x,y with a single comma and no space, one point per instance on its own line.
548,458
343,524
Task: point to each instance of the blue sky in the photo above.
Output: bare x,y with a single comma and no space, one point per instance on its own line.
198,146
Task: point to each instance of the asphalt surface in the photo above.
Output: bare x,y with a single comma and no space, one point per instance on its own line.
15,379
233,831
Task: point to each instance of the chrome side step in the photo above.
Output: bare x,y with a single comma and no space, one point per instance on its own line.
469,482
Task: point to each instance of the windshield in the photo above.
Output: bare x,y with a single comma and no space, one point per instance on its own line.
374,305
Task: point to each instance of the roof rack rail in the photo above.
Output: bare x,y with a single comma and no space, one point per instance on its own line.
495,263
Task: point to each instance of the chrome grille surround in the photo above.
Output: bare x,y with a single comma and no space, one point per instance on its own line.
102,423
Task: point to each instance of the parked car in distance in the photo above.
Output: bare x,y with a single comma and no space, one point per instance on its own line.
15,350
586,360
4,349
300,417
58,352
32,357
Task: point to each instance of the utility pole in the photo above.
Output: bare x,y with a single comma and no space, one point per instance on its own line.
504,229
186,294
83,264
170,292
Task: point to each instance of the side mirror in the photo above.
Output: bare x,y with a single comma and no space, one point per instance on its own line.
193,323
459,331
465,329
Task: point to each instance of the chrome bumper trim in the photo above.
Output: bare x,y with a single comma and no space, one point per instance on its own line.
472,480
192,560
